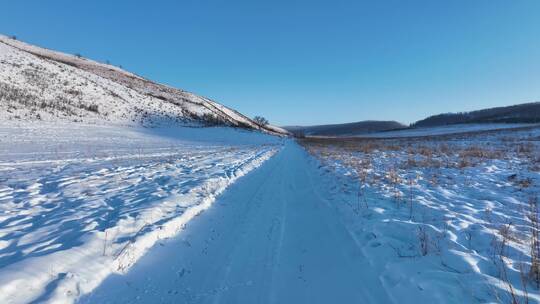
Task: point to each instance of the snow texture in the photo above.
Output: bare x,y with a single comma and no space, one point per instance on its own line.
79,202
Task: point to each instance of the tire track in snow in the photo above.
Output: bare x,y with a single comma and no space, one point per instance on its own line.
269,239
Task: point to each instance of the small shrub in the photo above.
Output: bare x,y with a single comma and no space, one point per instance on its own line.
525,148
74,92
92,108
211,119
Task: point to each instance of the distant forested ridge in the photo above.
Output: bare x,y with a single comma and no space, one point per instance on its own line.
521,113
346,129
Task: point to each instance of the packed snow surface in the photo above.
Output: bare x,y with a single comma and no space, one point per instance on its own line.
79,202
271,238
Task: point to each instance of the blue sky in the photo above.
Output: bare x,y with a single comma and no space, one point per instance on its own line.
307,62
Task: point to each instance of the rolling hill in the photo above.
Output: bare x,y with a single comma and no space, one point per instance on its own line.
41,84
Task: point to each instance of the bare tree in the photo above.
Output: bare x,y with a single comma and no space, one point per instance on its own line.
261,121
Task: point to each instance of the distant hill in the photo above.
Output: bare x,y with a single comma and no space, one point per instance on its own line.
346,129
521,113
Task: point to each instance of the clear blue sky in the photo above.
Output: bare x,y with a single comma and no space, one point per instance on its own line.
307,62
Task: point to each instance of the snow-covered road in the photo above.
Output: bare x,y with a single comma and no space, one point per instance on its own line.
270,238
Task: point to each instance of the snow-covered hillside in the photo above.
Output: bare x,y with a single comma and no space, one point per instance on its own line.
40,84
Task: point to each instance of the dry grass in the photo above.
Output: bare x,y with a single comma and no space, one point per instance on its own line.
395,166
431,152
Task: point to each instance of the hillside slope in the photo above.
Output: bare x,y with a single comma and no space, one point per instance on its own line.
347,129
40,84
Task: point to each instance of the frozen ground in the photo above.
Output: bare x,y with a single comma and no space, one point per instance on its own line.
450,129
79,202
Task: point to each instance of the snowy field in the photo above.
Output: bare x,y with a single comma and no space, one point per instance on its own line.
450,129
108,214
79,202
449,219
